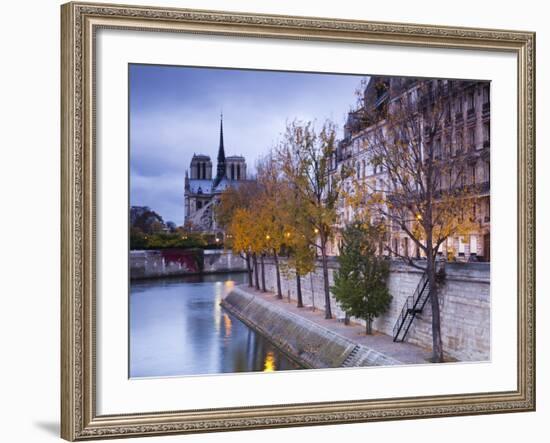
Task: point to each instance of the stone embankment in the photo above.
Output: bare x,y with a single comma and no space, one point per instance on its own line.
181,262
313,342
464,298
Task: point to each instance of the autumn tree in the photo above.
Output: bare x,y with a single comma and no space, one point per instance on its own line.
304,155
360,281
238,236
301,259
423,190
241,240
271,209
299,239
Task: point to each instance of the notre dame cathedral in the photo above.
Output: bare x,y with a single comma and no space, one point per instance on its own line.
202,191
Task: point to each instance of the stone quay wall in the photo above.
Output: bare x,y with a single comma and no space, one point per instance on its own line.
464,305
309,344
179,262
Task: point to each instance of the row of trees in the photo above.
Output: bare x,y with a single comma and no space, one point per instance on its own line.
292,209
179,238
149,231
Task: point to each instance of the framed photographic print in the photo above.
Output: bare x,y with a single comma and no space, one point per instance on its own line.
282,221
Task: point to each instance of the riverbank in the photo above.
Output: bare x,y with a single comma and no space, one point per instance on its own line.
162,263
464,299
314,341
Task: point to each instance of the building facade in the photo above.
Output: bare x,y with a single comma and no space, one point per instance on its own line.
464,134
202,190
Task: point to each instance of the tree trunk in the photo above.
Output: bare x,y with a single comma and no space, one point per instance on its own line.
299,291
249,270
263,272
368,323
437,346
328,311
278,273
256,278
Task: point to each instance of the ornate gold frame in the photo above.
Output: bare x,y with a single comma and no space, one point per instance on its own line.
79,420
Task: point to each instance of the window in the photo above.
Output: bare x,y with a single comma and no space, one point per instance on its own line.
448,148
459,142
470,100
437,148
486,95
458,105
486,134
473,244
199,205
461,246
471,138
238,172
473,175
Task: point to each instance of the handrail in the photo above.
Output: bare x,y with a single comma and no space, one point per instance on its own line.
413,305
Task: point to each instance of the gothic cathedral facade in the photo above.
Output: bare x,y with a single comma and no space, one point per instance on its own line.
202,192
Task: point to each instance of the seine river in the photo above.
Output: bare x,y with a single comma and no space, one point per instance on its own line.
177,327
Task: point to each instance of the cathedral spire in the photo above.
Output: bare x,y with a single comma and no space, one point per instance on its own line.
221,156
221,150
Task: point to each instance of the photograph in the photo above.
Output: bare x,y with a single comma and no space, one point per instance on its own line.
275,219
288,220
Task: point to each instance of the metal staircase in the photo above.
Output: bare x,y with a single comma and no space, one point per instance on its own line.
413,305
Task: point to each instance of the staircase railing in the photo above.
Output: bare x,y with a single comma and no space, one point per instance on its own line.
414,304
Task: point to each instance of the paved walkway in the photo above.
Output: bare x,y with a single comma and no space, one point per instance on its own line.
404,352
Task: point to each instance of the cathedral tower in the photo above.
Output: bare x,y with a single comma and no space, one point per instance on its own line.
221,169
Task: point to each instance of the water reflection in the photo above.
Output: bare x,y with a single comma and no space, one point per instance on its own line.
177,327
270,362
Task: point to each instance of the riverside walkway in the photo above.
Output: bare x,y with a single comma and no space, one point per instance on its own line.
405,353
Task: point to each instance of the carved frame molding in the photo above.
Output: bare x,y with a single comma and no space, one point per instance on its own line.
79,24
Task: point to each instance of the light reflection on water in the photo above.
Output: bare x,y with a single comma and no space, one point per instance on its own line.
177,327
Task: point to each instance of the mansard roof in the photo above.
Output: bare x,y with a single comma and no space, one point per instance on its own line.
205,186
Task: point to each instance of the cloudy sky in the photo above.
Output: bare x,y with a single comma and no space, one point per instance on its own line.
175,111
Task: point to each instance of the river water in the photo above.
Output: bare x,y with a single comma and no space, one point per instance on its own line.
177,327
